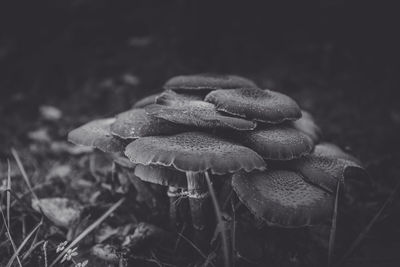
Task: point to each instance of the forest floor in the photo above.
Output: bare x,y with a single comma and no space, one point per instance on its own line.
52,92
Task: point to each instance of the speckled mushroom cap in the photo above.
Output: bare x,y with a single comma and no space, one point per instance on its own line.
307,125
194,152
137,123
150,99
170,98
326,166
199,114
280,142
253,103
157,174
207,82
282,198
97,134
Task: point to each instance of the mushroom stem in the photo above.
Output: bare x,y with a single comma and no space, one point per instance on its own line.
178,207
144,192
200,207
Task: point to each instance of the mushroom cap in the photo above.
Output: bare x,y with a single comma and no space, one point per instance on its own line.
157,174
137,123
282,198
121,160
207,82
257,104
307,125
199,114
326,170
280,142
330,150
97,134
194,152
170,98
150,99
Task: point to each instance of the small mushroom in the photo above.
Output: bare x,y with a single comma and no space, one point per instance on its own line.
277,142
307,125
97,134
256,104
207,82
326,166
195,153
151,99
136,123
170,98
199,114
283,198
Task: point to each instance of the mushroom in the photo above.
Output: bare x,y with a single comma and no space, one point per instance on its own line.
199,114
326,166
170,98
277,142
282,198
150,99
195,153
96,134
307,125
136,123
207,82
256,104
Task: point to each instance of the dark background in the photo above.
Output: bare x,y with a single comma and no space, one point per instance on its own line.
338,59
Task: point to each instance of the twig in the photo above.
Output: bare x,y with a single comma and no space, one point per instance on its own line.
195,247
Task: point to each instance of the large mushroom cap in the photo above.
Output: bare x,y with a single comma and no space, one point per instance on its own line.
136,123
97,134
198,114
194,152
150,99
280,142
282,198
307,125
157,174
207,82
254,103
326,166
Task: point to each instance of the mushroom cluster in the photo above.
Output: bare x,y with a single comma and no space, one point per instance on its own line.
225,127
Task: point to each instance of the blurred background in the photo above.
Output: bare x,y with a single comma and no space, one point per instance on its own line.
94,58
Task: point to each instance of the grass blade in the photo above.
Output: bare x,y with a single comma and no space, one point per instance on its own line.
10,262
220,222
332,234
365,231
23,172
8,192
89,229
10,237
